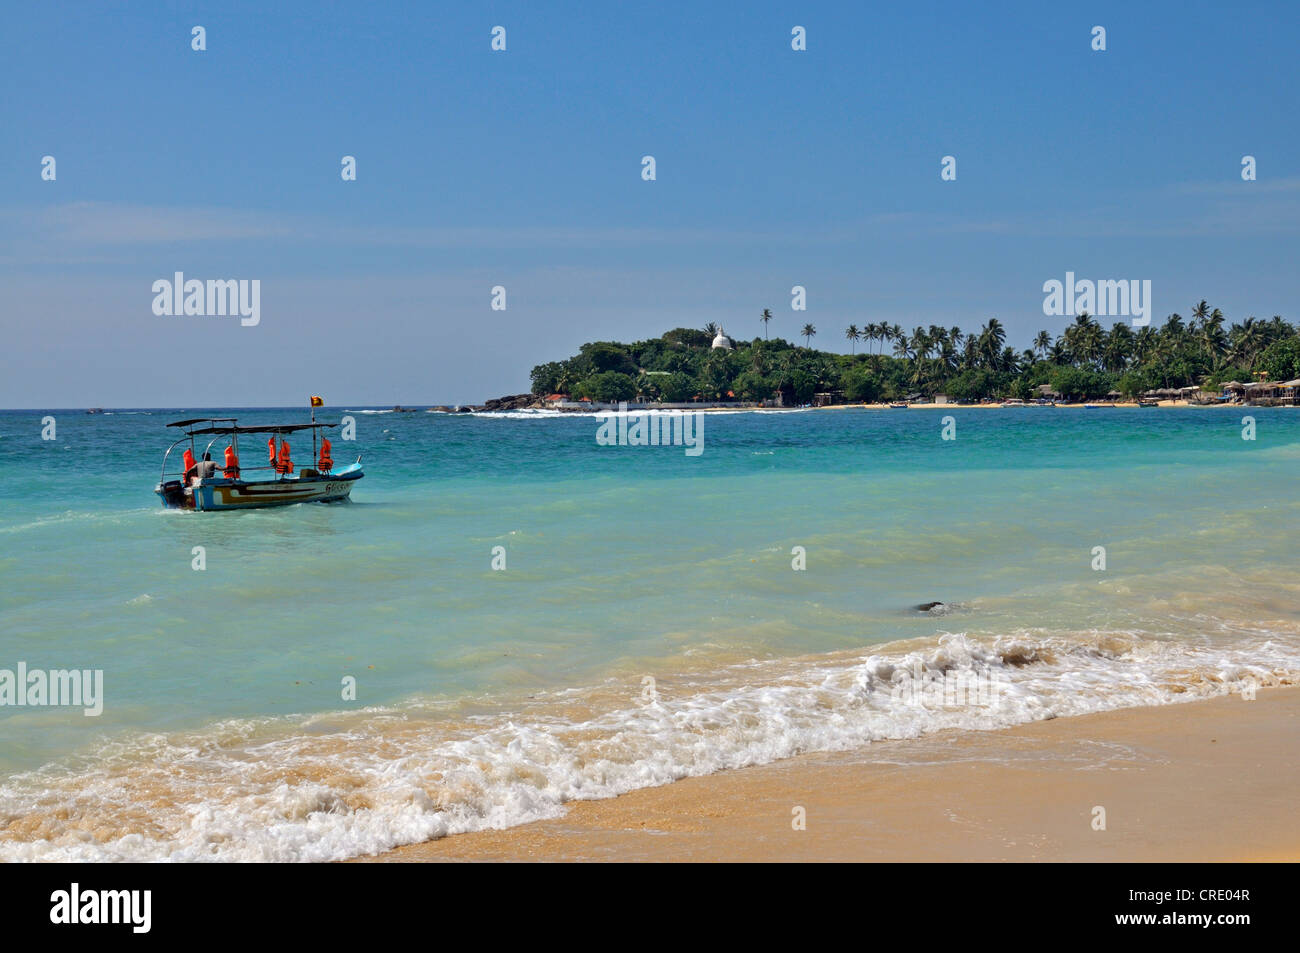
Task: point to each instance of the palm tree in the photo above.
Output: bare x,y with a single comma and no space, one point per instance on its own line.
765,317
1042,343
1084,338
1115,352
1144,344
711,329
853,334
808,333
1212,337
1246,340
947,359
921,343
992,337
1173,330
1200,313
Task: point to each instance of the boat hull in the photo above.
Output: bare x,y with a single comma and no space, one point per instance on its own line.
222,494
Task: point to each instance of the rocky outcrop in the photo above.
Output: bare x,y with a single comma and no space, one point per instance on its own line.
513,402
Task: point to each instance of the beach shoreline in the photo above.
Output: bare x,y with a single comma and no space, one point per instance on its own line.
1210,780
753,408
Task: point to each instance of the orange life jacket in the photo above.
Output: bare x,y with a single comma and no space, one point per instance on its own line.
326,462
231,471
188,461
270,451
284,464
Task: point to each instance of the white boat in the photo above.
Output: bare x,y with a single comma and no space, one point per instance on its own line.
202,485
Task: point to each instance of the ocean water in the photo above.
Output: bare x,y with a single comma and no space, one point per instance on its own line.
648,624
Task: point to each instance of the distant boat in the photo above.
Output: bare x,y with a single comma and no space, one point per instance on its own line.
1096,406
1148,403
898,406
1014,402
95,410
196,489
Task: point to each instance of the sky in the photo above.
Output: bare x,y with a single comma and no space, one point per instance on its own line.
522,169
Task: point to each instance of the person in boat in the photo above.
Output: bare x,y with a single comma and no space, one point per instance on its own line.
205,469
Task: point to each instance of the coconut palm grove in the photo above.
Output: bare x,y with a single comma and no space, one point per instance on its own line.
1086,361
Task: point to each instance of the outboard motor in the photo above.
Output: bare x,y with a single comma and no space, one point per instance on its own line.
172,493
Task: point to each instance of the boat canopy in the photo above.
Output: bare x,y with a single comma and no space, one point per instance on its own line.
201,420
228,425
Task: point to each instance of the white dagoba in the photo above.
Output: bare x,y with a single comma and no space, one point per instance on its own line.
722,341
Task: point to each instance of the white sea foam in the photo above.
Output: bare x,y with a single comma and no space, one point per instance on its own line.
337,786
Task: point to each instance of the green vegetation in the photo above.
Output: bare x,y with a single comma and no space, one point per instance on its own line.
1085,362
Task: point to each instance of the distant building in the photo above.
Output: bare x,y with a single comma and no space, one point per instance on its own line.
721,341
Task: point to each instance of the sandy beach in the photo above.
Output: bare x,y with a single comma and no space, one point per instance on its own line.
1210,780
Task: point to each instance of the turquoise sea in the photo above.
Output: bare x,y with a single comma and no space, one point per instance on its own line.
648,625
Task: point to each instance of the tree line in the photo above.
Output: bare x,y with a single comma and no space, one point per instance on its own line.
1084,361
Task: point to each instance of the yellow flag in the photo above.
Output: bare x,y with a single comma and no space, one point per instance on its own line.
317,401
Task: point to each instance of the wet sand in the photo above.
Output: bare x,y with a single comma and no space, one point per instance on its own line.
1212,780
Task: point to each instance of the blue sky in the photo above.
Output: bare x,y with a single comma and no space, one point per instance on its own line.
523,169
